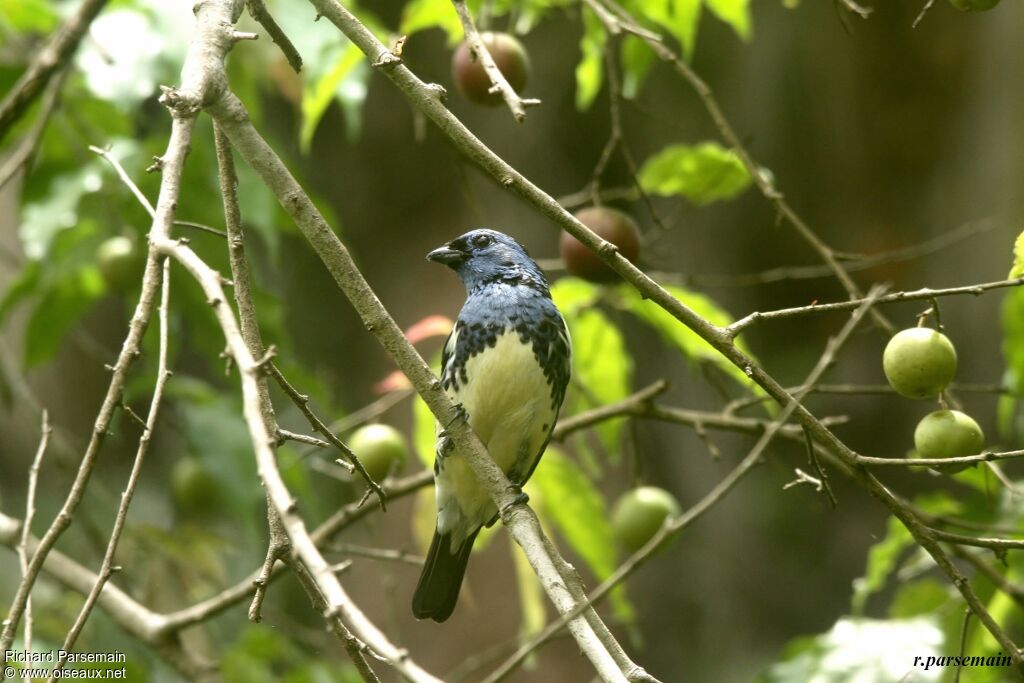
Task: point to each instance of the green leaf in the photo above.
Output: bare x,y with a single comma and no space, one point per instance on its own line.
1018,258
28,16
683,338
317,96
589,71
569,502
600,361
883,559
703,173
919,598
1011,415
424,431
736,13
571,294
24,285
636,59
685,16
58,312
601,365
419,15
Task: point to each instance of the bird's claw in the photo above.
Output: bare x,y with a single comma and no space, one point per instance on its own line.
460,415
521,498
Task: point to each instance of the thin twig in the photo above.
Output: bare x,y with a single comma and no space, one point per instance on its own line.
301,401
22,155
479,50
51,59
924,10
1014,591
259,12
107,567
402,556
895,297
26,525
938,462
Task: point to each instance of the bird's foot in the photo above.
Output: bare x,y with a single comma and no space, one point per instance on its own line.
521,498
460,416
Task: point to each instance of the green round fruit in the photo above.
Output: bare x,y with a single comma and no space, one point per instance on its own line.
609,224
509,56
380,448
120,263
973,5
948,434
640,513
919,362
194,488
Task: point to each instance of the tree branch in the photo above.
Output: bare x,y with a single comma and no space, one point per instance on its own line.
896,297
499,83
54,55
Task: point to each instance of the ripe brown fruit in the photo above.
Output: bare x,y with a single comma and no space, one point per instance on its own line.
509,56
609,224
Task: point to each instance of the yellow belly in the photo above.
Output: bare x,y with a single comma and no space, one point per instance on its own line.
508,400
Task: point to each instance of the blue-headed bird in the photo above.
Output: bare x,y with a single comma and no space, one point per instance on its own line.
506,364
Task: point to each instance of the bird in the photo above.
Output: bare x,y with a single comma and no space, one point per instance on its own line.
506,365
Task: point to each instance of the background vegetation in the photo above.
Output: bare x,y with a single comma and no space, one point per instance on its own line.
901,147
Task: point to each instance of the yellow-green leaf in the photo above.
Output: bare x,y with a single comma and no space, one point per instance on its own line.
419,15
1018,257
589,71
702,173
316,97
736,13
686,340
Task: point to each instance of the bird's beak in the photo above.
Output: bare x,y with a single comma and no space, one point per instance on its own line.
452,258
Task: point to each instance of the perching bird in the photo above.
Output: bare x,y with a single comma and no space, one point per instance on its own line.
506,363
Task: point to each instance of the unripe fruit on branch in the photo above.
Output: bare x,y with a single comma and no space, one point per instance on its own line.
919,362
948,434
380,448
640,513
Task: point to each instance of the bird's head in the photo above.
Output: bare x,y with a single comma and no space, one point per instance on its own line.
482,256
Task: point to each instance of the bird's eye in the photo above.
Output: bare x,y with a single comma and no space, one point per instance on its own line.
482,241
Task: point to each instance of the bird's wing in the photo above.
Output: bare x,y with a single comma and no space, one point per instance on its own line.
561,351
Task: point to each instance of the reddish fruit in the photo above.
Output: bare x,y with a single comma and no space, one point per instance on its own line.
609,224
509,56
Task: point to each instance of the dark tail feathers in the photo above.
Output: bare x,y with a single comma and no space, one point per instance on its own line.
438,589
